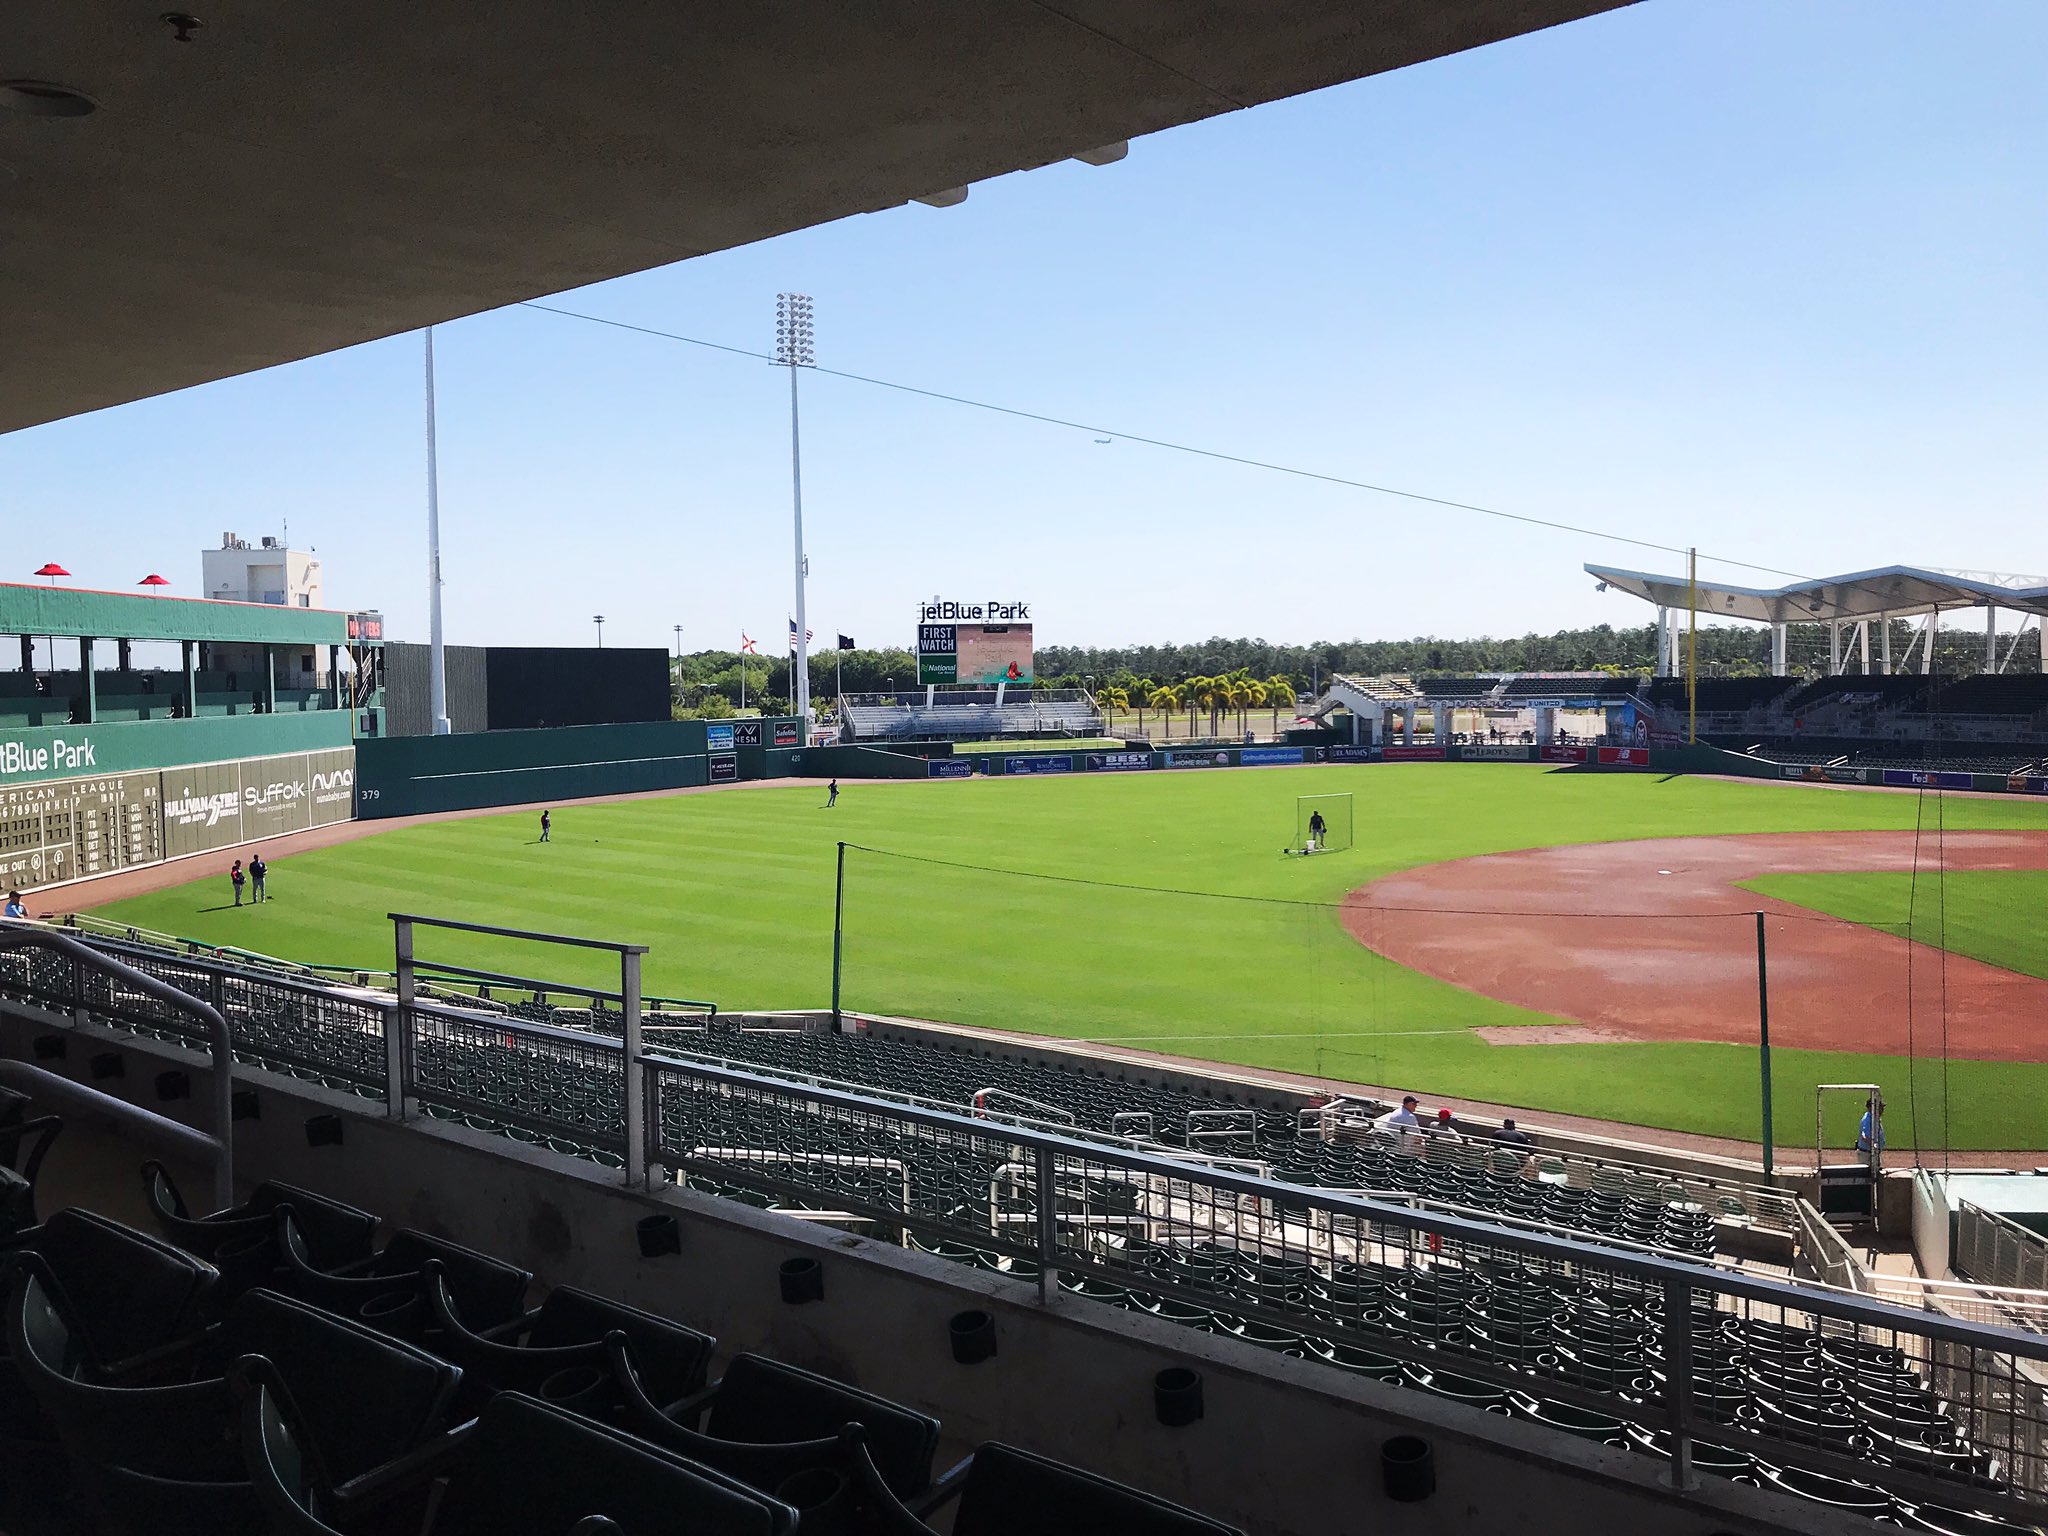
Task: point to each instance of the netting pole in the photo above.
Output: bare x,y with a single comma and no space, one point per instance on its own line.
838,928
1763,1033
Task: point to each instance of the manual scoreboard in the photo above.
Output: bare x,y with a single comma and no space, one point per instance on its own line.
70,829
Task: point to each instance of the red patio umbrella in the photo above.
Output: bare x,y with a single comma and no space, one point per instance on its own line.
53,570
154,580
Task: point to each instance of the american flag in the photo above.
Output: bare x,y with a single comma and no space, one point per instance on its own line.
809,635
747,645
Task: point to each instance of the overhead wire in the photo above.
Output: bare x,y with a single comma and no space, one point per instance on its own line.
1169,445
1217,455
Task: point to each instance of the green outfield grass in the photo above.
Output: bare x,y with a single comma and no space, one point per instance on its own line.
1991,915
734,893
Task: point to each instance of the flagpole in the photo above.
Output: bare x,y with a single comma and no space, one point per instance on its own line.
743,670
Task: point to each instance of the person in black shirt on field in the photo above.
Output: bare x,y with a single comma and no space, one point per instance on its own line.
1316,828
235,877
832,795
257,870
546,825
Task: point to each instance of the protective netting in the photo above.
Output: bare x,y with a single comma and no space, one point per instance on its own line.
1643,1017
1322,823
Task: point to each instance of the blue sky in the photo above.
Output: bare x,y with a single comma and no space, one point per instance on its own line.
1763,276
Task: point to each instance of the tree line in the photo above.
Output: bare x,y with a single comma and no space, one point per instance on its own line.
1216,674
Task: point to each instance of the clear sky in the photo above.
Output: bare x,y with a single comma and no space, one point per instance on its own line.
1765,276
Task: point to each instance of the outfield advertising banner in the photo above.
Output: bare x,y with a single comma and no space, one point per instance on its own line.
724,770
948,768
1351,754
1493,754
1198,759
1040,764
1623,757
786,734
1118,762
1822,773
1252,757
1413,754
718,737
1913,778
1564,754
746,733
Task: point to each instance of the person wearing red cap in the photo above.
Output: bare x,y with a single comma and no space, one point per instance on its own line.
1446,1128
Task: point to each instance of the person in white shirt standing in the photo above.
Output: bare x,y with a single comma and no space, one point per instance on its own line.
1402,1119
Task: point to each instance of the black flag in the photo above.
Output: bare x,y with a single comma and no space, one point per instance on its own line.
846,642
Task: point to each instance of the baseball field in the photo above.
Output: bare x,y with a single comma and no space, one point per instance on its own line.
1564,941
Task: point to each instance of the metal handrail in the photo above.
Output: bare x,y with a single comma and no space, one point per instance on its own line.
1289,1215
220,1144
1485,1232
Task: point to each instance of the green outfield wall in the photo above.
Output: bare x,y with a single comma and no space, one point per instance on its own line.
56,830
36,753
425,775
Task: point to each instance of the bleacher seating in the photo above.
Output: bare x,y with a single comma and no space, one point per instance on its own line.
1616,688
1458,687
1719,695
970,714
1984,693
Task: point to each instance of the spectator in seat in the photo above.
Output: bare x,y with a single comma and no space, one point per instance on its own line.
1446,1127
14,907
1402,1119
1512,1135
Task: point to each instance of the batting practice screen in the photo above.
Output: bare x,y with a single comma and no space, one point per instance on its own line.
1335,833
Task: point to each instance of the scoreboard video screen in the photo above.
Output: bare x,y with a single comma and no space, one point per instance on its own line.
980,654
74,828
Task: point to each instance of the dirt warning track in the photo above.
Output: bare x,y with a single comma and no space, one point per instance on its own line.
1673,957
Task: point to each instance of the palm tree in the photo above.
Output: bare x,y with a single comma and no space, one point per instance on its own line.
1111,698
1278,691
1141,695
1245,692
1165,699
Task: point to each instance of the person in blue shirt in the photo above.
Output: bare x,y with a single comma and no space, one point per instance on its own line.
1870,1132
14,906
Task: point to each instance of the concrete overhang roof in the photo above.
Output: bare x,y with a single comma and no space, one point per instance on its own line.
299,177
1894,589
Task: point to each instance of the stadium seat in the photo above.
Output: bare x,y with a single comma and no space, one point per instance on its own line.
560,1350
1007,1492
160,1447
390,1290
766,1423
527,1469
242,1242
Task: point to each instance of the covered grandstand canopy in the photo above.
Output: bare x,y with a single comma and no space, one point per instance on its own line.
1893,589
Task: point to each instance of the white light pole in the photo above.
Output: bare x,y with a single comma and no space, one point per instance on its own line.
437,656
794,349
598,620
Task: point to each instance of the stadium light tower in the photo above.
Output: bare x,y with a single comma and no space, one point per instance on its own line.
437,655
598,620
795,347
